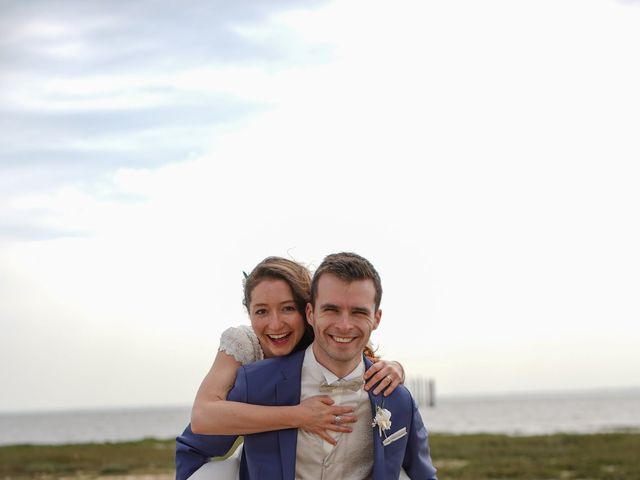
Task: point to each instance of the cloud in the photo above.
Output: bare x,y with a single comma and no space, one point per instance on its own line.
32,231
138,34
88,89
109,139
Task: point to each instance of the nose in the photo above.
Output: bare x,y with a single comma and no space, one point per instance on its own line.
275,321
344,321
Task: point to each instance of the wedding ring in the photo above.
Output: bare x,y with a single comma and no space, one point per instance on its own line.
337,420
389,378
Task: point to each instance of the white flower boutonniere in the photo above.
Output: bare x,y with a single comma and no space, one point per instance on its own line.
382,420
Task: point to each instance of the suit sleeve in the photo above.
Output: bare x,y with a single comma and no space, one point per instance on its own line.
417,459
193,450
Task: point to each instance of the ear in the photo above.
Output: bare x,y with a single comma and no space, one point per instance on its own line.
376,318
309,311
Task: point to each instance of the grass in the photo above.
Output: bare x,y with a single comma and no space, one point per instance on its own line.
91,459
602,456
458,457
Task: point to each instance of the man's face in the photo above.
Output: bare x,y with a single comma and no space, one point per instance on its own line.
343,318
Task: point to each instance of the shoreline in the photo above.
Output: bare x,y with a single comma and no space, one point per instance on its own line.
631,430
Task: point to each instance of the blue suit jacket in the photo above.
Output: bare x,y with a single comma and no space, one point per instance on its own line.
272,455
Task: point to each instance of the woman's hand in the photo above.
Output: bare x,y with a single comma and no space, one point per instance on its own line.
318,415
389,374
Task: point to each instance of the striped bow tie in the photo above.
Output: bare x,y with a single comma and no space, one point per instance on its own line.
352,385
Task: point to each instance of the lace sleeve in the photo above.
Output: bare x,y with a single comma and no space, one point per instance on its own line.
242,344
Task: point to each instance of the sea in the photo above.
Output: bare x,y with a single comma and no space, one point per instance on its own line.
521,414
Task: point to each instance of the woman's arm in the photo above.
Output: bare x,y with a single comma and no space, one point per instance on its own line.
212,414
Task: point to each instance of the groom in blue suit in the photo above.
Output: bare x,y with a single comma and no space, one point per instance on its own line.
344,310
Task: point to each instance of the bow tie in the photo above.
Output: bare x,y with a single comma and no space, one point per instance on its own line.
352,385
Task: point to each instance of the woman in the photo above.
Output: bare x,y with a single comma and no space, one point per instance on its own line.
275,295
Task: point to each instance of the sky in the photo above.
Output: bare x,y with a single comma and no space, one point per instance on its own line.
483,155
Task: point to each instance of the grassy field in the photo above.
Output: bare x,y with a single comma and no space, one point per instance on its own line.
458,457
606,456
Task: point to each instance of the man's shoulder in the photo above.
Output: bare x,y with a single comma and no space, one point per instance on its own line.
262,367
401,399
256,382
402,394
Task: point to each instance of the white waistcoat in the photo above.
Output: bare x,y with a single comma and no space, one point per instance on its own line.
352,457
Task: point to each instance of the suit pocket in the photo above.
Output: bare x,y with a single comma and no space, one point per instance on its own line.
397,435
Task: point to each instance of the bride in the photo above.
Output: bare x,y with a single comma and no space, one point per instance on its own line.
275,295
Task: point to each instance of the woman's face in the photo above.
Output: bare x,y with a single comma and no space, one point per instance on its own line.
274,317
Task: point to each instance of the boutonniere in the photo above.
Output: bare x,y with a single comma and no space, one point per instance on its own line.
382,420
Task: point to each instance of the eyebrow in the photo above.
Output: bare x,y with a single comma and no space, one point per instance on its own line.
364,310
361,310
281,303
324,306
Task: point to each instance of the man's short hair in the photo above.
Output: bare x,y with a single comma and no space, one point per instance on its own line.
348,267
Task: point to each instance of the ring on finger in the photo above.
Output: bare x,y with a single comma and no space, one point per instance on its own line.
337,420
389,379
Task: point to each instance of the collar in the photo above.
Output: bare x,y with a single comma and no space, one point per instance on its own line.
330,377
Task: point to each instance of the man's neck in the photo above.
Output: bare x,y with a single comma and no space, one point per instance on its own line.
338,368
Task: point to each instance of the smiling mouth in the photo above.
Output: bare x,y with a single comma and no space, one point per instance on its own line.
342,340
279,338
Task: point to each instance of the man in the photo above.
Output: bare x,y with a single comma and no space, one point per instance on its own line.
344,310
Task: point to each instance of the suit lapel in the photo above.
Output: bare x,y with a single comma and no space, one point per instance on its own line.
378,449
288,393
398,420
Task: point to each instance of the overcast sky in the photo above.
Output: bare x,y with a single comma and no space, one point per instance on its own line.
483,155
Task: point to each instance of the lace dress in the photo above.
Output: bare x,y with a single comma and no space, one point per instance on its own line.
242,344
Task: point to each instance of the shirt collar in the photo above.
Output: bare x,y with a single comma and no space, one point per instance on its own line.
329,376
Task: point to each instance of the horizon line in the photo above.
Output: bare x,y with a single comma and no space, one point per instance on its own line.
448,396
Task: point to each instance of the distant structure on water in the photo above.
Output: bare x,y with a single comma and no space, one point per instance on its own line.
423,390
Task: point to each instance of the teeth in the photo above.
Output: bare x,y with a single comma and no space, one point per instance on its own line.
278,337
342,339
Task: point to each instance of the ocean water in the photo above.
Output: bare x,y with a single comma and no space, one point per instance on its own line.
580,412
82,426
539,414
